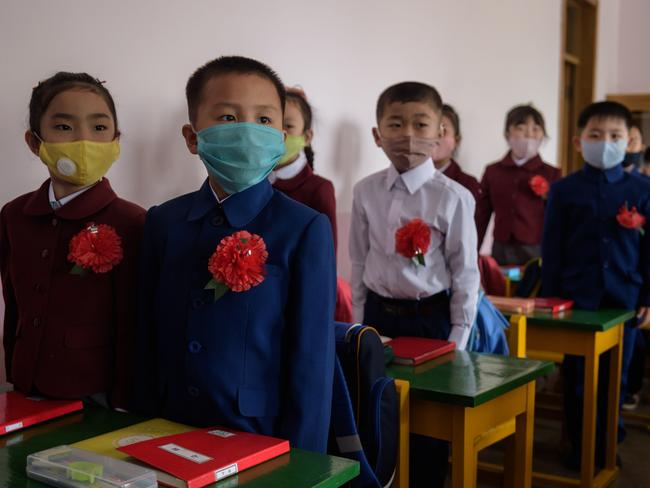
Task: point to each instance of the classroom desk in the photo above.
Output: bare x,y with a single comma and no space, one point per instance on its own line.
296,469
474,400
587,334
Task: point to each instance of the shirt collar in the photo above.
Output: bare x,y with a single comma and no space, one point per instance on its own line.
57,204
293,169
611,175
239,208
414,178
86,203
444,169
533,164
216,197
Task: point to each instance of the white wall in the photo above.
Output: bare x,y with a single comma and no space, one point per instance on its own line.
483,56
623,47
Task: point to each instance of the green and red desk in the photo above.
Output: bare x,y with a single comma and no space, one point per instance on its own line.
296,469
471,400
587,334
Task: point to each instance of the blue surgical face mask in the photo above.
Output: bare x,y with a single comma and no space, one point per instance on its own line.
239,155
602,154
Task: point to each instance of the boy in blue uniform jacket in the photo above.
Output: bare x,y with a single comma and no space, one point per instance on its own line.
591,254
258,359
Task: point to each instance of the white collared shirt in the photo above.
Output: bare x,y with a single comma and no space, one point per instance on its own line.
57,204
220,200
290,170
386,201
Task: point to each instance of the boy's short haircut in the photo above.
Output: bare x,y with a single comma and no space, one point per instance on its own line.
223,66
604,110
520,115
408,91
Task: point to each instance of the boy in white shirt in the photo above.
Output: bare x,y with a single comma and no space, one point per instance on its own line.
413,243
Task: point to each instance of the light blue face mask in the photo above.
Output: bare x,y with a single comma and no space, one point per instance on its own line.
602,154
239,155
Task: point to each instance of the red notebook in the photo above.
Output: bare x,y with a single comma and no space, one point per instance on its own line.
200,457
18,411
552,305
416,350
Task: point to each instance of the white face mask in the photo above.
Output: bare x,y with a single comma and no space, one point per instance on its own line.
524,148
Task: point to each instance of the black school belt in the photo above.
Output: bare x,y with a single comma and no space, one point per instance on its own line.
425,307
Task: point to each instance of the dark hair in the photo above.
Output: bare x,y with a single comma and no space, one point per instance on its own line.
604,110
298,97
223,66
46,90
646,155
408,91
449,112
521,113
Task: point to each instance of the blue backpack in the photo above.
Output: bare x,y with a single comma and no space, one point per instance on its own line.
365,409
488,333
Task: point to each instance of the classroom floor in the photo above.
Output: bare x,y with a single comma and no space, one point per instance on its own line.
548,452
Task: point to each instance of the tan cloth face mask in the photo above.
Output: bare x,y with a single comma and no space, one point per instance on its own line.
408,152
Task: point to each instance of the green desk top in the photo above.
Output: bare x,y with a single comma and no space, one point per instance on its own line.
582,320
296,469
469,379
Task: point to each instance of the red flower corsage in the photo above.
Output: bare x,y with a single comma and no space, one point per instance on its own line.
539,185
630,219
412,240
97,248
237,264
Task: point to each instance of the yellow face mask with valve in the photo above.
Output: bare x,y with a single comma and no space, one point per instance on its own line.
79,162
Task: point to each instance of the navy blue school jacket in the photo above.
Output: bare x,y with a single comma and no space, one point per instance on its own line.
260,360
586,254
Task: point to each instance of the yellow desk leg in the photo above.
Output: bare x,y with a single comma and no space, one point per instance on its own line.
402,468
614,392
517,336
519,454
463,455
592,363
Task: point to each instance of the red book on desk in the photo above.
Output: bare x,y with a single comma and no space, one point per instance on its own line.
18,411
552,305
416,350
200,457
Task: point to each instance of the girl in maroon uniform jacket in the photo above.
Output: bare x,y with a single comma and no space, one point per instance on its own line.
515,190
295,176
68,252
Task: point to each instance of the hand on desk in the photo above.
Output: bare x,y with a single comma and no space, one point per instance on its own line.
642,315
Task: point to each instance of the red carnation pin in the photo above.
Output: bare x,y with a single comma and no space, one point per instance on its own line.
539,185
237,264
630,218
97,248
412,240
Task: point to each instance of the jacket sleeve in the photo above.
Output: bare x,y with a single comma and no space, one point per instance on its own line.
11,308
325,202
553,239
144,398
644,295
309,339
124,293
359,248
483,209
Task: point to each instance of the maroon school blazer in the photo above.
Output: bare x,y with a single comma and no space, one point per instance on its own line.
518,211
65,335
312,190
